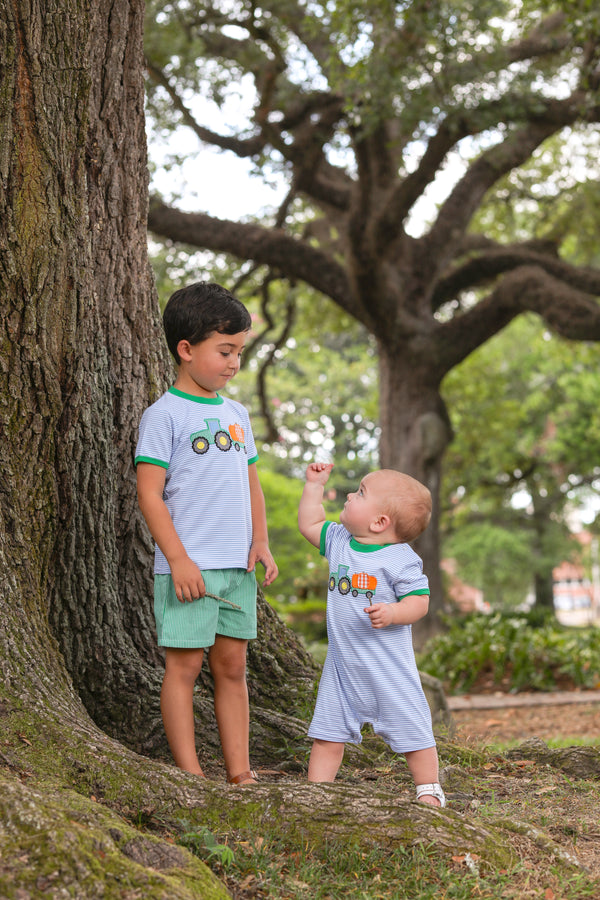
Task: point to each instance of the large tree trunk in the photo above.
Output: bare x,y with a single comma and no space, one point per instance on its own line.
414,435
83,355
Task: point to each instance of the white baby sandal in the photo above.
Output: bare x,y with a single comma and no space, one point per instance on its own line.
432,790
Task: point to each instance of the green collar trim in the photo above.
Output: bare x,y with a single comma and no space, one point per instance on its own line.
366,548
212,401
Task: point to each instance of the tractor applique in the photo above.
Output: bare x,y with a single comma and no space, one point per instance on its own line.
359,583
215,434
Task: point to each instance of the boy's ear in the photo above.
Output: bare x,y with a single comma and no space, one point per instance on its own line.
380,524
184,350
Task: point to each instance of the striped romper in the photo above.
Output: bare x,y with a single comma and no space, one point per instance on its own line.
370,674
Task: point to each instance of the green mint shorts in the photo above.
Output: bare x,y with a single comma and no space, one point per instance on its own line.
196,623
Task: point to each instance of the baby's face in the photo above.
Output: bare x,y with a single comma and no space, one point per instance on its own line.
364,505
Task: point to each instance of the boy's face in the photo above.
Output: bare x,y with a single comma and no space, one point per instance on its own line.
364,506
206,367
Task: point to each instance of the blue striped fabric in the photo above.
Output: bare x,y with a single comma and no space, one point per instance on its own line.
370,674
205,445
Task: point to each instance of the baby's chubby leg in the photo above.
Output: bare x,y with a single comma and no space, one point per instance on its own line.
423,766
325,759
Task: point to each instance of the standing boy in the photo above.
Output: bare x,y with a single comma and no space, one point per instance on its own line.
376,591
200,495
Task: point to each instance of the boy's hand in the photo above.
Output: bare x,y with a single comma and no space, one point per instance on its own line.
259,552
188,580
381,614
318,473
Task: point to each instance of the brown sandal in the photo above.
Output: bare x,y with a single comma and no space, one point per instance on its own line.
243,776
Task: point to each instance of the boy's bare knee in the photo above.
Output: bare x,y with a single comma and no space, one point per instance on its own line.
229,668
183,664
227,659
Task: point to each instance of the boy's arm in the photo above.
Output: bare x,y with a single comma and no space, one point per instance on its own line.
405,612
259,551
311,512
187,577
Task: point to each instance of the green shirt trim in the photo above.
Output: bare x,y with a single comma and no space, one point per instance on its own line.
164,465
212,401
355,545
154,462
366,548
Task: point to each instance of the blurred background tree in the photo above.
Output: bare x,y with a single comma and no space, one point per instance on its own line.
524,466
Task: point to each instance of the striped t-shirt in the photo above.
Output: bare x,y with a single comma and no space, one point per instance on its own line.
205,445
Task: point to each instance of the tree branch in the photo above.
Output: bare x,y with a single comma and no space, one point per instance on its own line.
261,379
272,247
456,212
483,268
455,127
570,313
241,147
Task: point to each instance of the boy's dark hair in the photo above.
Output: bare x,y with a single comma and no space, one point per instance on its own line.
194,312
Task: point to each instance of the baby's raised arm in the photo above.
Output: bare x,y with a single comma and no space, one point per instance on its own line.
311,512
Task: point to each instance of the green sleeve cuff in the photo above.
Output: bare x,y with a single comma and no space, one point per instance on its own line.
322,539
154,462
417,593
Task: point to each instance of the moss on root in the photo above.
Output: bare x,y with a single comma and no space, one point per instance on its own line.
54,842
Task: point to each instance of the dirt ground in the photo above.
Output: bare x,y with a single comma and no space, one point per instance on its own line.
565,809
577,721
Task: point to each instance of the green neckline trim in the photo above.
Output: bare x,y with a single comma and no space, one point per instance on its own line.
213,401
355,545
366,548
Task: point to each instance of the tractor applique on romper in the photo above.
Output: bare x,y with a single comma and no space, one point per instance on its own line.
215,434
359,583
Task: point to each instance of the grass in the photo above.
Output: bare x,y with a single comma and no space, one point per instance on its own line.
556,743
543,812
333,872
270,869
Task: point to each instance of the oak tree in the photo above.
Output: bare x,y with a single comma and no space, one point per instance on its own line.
362,111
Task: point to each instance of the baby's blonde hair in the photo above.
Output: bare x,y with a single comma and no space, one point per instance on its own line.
407,503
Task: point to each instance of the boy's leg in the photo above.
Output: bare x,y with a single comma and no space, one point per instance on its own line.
227,663
325,759
424,768
182,667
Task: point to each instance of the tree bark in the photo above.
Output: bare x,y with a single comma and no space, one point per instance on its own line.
415,433
83,355
575,762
